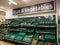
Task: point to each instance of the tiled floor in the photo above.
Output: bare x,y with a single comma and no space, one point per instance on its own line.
5,43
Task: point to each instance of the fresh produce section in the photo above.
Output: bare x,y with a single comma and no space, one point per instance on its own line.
40,30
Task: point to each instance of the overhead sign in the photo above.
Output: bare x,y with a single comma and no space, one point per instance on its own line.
42,7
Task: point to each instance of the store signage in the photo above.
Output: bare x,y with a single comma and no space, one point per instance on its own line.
35,8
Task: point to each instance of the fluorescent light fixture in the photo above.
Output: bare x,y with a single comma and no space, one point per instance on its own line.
12,2
25,0
2,10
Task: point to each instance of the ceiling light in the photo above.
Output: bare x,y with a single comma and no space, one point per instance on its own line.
2,10
12,2
25,0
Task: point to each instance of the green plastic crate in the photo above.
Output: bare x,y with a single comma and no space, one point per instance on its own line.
21,33
26,39
19,38
36,36
55,43
12,37
49,36
14,23
23,29
8,35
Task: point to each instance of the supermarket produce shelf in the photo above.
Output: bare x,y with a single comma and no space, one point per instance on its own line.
13,26
44,26
46,33
20,31
22,42
50,40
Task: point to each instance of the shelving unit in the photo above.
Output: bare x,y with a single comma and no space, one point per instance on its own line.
59,30
33,31
3,28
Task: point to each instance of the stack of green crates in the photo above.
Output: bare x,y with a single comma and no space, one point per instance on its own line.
36,36
14,23
28,38
23,29
41,20
20,36
30,30
13,36
7,36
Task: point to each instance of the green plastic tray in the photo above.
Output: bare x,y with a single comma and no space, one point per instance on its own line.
18,38
49,36
14,23
55,43
49,30
26,39
8,35
23,28
22,33
13,35
36,35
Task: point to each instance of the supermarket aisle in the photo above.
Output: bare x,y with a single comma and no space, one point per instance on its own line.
5,43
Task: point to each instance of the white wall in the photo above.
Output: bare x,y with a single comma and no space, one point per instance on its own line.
58,6
9,14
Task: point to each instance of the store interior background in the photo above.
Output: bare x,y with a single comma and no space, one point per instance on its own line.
6,10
